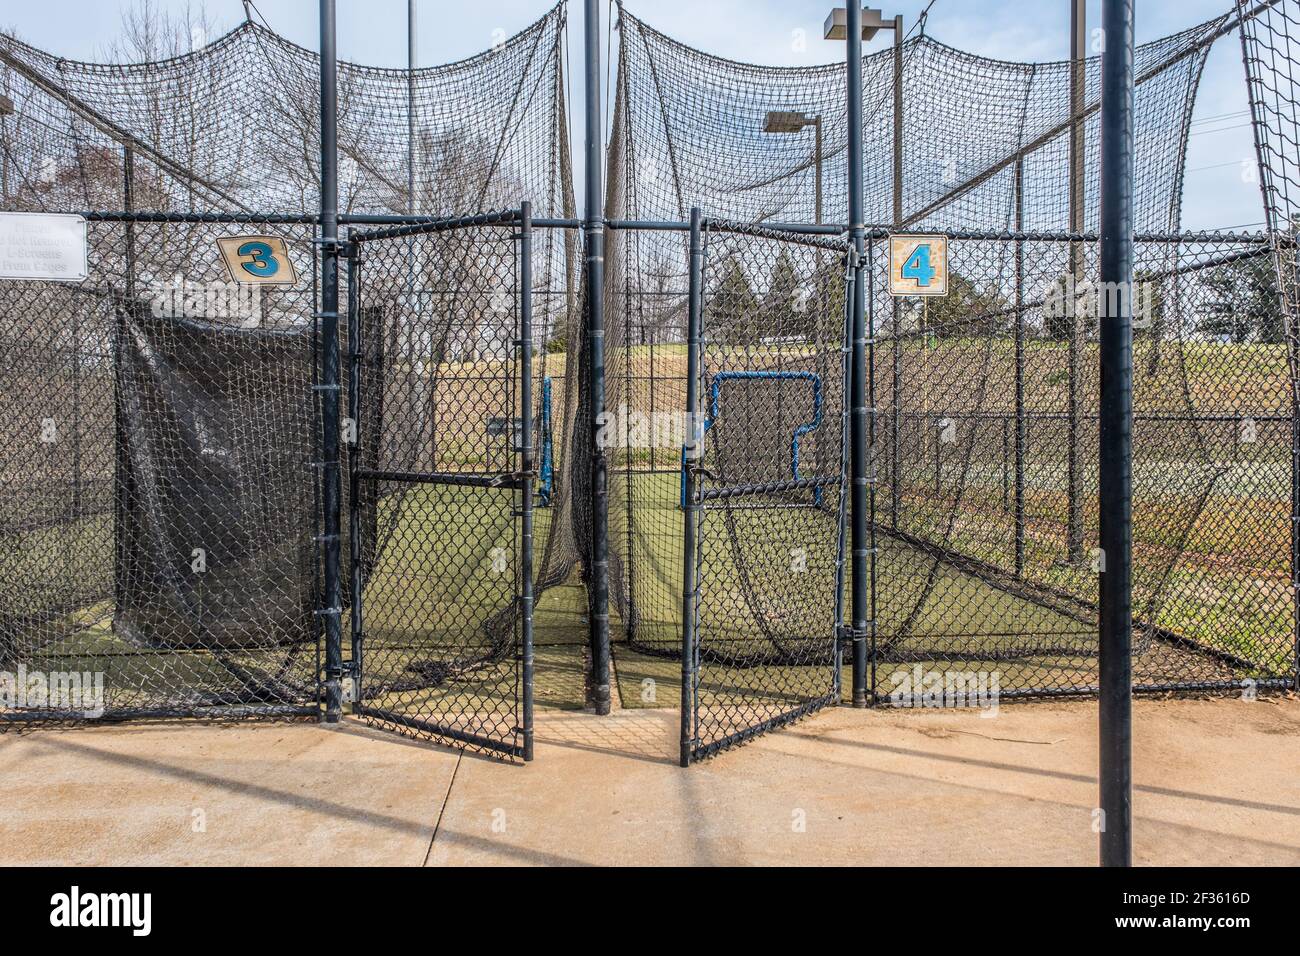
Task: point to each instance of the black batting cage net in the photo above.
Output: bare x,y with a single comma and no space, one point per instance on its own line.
167,483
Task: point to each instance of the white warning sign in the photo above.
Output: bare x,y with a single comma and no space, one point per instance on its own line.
37,245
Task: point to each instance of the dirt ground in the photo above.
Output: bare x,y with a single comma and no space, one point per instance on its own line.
1217,782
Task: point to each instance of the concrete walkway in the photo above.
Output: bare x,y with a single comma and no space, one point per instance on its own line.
1218,782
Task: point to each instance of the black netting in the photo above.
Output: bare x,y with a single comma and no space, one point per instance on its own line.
159,527
984,447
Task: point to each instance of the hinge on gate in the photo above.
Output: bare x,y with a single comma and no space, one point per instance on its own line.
847,634
343,248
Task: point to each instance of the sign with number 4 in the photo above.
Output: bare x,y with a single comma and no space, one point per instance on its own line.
257,260
918,265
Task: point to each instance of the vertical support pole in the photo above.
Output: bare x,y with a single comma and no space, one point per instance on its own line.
1020,372
128,206
329,363
1078,80
690,506
868,275
598,577
1115,445
897,370
411,57
896,437
356,350
818,211
858,398
898,121
526,468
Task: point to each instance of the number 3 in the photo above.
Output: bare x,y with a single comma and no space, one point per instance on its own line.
261,259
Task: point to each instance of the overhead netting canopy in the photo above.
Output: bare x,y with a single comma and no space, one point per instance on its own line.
984,432
689,130
160,473
235,127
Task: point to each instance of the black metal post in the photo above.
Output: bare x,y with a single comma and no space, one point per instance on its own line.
858,433
526,465
1020,372
356,350
898,121
328,318
411,56
690,506
1115,445
895,435
598,573
1078,81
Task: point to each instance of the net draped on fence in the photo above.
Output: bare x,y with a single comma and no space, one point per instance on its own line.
161,477
984,432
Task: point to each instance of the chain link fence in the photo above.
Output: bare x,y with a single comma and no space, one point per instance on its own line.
158,552
766,493
446,425
986,425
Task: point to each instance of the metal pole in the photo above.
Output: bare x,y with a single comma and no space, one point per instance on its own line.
858,433
526,468
898,220
817,179
1020,372
598,574
410,106
898,121
328,318
1115,446
1078,79
355,352
690,507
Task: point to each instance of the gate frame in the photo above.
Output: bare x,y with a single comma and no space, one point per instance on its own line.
522,480
690,748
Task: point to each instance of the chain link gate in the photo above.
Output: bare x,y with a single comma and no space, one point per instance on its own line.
442,406
764,493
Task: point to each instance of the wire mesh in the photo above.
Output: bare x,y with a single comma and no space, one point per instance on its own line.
485,128
439,442
770,503
159,518
976,566
984,401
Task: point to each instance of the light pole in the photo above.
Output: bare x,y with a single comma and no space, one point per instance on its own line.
791,122
410,106
1115,446
873,22
786,121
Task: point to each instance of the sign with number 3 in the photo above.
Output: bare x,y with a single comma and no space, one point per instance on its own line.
918,265
260,260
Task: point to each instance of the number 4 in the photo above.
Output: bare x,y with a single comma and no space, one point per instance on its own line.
918,266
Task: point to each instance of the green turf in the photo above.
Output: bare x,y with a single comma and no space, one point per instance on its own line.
440,579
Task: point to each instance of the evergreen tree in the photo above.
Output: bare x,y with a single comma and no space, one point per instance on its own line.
731,312
1242,303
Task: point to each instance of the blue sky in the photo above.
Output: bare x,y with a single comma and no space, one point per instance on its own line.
1218,195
